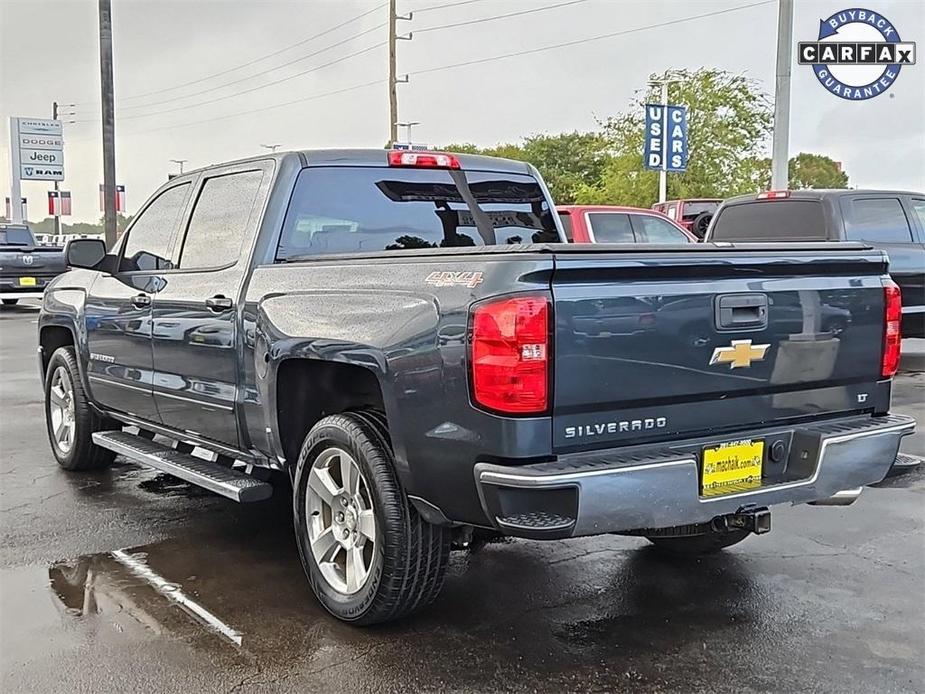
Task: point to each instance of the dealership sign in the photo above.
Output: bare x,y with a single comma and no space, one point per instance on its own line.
38,149
666,138
857,55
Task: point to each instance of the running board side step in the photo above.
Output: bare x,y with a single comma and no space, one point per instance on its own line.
228,482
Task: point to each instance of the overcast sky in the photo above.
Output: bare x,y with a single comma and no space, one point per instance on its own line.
49,50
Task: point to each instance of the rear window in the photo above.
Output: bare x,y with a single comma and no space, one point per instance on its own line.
13,236
692,209
363,209
771,220
611,227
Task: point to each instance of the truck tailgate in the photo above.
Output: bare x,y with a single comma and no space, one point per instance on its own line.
651,345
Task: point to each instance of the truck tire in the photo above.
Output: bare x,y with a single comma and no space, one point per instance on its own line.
368,554
69,419
698,545
10,302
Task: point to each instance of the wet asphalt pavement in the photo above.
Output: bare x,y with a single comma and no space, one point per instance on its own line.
127,580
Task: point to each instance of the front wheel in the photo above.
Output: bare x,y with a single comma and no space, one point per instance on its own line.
69,418
698,545
368,554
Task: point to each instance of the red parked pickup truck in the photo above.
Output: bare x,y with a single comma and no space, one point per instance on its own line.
610,224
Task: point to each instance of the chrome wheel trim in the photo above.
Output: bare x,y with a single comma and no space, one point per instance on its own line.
61,410
341,521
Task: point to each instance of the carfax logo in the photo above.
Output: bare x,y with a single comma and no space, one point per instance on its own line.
858,54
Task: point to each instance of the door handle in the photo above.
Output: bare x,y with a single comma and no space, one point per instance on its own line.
219,303
141,301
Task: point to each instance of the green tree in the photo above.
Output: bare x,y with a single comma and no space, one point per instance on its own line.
815,171
568,162
804,171
729,124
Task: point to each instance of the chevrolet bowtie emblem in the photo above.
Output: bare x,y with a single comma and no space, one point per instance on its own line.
741,354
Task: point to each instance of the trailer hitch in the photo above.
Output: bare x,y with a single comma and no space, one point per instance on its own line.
751,518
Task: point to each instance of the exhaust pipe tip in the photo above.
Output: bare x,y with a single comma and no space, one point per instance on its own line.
845,497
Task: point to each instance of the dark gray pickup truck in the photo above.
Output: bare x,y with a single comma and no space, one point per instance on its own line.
890,220
25,267
405,336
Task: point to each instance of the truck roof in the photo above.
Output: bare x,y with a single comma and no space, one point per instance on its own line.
376,158
821,194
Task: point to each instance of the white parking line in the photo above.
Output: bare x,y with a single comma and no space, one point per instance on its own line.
173,592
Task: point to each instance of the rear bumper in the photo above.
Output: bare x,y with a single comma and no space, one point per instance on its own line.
620,490
19,294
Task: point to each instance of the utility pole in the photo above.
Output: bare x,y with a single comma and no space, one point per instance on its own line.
54,116
780,144
109,123
393,77
179,162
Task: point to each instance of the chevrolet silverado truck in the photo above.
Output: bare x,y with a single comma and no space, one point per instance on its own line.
408,337
25,266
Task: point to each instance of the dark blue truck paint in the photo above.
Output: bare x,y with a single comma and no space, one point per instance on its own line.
634,396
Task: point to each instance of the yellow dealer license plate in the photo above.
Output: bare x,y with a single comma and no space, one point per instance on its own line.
26,281
731,467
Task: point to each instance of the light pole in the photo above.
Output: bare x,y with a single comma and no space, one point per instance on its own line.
180,163
407,125
780,142
272,148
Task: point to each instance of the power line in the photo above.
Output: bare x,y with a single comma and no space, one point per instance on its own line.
599,37
500,16
252,89
313,97
258,74
260,58
444,7
452,66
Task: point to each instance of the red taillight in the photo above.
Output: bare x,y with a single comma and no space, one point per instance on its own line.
510,355
892,334
773,194
423,160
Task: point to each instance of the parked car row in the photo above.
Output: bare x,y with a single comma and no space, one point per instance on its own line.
891,221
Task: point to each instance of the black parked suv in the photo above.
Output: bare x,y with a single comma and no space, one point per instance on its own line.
893,221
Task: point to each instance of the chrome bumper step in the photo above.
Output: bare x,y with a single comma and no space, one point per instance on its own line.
226,481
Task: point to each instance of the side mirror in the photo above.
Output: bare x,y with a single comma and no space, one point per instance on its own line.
85,253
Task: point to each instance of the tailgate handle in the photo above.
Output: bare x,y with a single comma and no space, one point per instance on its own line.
741,312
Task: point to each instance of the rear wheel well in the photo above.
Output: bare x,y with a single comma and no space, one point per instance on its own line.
51,338
308,390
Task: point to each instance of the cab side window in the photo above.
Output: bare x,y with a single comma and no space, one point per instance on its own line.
148,246
877,220
220,220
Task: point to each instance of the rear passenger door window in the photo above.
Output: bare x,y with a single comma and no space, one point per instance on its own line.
879,220
609,227
150,239
651,229
220,220
918,206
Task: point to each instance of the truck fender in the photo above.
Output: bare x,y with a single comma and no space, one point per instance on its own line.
382,332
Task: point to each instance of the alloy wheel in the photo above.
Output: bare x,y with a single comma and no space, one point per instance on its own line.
341,521
61,410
